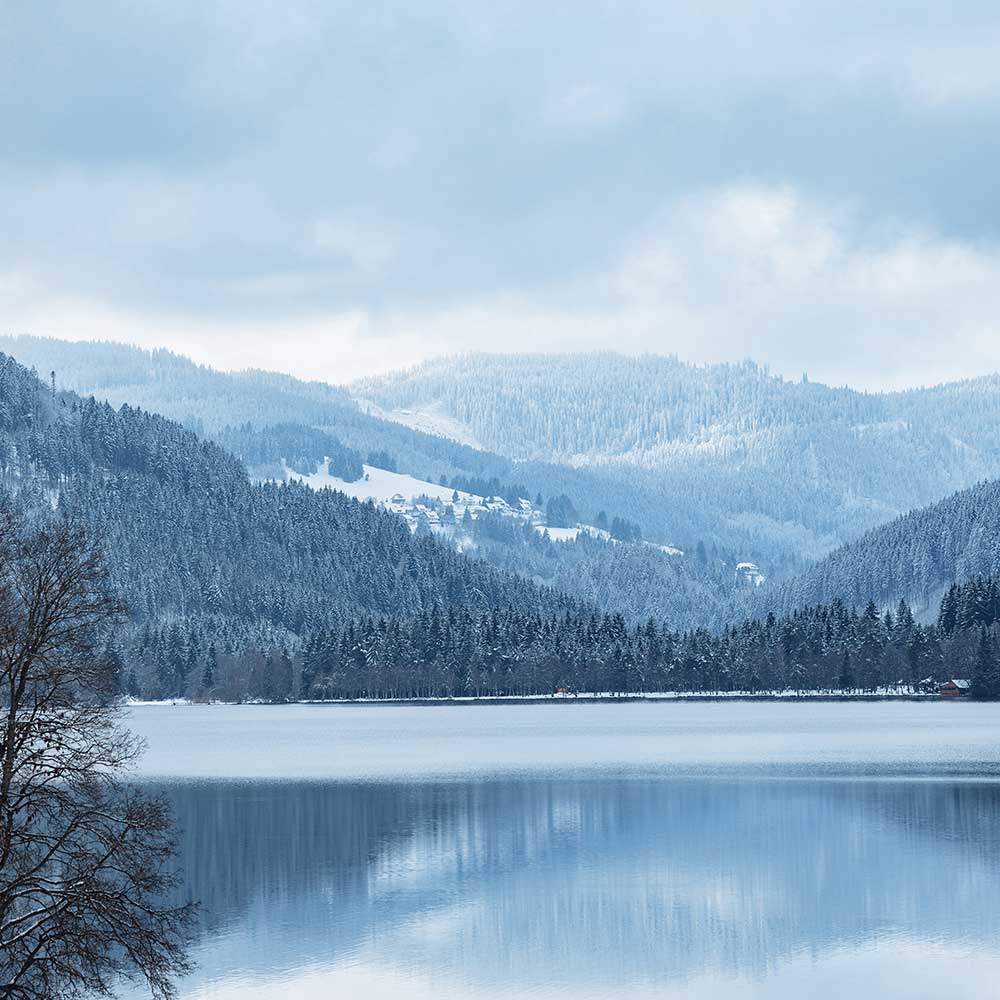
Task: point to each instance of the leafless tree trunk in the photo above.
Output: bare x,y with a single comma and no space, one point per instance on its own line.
84,855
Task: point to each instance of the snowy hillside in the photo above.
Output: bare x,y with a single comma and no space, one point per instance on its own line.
779,471
380,486
431,419
605,565
420,502
444,510
721,509
655,411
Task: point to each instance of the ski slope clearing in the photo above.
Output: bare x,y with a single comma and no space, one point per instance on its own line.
380,486
423,503
669,550
559,534
430,419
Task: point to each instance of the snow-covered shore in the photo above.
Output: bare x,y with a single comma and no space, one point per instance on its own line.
590,697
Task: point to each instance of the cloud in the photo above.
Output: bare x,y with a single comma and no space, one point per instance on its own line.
354,244
811,184
584,105
743,271
761,272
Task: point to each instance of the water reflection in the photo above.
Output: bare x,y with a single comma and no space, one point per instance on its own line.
602,887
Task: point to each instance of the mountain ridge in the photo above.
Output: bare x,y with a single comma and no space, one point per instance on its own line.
914,557
832,462
800,471
207,559
214,403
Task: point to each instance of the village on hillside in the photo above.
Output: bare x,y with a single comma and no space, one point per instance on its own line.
444,511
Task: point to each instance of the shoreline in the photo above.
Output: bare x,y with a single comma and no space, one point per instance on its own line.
582,699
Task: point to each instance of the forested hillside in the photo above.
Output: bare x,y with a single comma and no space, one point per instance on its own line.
273,422
208,561
636,579
828,648
651,408
799,466
726,462
218,404
224,406
265,590
914,557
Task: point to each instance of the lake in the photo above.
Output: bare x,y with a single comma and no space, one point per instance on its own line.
695,851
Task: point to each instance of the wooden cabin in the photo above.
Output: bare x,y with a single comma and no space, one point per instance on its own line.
954,688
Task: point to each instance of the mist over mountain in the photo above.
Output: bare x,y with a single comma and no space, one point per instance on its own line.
914,558
753,480
801,464
280,426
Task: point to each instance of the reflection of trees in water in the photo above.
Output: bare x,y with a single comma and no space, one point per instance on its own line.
245,844
603,880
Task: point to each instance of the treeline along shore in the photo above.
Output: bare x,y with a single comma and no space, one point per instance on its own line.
593,698
827,650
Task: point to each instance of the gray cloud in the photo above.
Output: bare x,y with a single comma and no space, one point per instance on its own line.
335,175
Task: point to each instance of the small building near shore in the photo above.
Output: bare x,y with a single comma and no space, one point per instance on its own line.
954,688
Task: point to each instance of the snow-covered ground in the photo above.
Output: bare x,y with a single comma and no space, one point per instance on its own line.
399,493
572,534
380,486
559,534
667,549
902,691
420,501
136,702
430,420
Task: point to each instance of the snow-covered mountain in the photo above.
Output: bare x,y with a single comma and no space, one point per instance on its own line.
785,466
444,508
655,411
625,540
752,476
915,557
206,559
610,566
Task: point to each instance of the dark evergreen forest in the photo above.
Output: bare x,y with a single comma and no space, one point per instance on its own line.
198,550
827,648
247,590
916,556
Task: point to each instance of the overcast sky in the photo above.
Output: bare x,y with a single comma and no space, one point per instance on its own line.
335,189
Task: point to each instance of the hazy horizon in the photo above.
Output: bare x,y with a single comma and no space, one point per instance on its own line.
596,352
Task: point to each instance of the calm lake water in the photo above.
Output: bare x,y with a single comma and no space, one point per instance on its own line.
588,851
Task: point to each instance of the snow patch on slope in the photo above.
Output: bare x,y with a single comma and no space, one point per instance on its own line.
380,485
560,534
667,549
572,534
398,493
431,420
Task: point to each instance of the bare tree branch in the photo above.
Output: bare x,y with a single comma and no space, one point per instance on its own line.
85,857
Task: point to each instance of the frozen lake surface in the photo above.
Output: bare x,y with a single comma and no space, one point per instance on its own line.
588,851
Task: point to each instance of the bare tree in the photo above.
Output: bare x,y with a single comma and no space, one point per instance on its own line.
85,856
